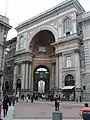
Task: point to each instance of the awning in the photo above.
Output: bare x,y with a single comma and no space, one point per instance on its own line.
68,87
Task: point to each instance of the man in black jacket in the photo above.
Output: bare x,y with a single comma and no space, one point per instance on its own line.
56,103
5,106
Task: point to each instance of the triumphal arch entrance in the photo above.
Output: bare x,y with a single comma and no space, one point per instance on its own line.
48,52
39,67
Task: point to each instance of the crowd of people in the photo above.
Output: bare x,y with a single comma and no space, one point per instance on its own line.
8,100
39,96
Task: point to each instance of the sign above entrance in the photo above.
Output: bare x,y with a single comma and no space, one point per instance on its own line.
42,49
67,87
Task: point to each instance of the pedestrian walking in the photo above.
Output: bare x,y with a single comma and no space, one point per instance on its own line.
56,103
32,97
17,96
5,106
27,98
85,112
13,100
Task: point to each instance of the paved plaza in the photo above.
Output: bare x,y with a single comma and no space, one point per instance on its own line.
44,110
40,110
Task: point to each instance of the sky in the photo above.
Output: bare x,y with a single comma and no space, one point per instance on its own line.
20,10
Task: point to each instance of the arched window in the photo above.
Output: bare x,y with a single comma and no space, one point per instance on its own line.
67,26
69,80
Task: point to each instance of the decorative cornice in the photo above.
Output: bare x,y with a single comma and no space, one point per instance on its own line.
66,39
53,11
23,53
6,25
84,17
11,41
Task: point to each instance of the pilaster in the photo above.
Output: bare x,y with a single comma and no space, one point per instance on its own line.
57,72
14,79
26,85
30,77
77,69
78,79
23,73
53,76
60,70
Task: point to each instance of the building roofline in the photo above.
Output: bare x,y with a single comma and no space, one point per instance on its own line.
5,24
51,11
11,40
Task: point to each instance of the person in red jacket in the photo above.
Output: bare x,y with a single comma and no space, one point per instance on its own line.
85,112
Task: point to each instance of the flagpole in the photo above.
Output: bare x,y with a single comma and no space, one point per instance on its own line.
6,7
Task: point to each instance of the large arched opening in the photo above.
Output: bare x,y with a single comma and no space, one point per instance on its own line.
41,43
43,52
41,82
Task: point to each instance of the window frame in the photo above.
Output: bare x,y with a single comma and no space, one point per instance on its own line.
68,62
19,69
67,26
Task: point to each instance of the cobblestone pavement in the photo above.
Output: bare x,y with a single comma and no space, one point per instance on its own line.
43,110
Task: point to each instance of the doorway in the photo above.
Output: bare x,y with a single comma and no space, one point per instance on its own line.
41,81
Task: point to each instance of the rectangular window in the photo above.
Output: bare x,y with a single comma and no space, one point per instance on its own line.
21,44
68,61
19,69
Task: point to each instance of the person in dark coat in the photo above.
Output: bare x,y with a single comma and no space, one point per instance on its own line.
5,106
13,100
32,97
56,103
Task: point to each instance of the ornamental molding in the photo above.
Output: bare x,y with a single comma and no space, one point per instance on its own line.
55,24
24,57
63,40
67,73
52,12
41,28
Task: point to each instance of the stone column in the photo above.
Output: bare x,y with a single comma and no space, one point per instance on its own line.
77,70
30,77
57,71
31,80
60,70
74,26
26,85
23,75
14,79
53,76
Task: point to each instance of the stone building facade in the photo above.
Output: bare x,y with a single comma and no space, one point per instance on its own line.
57,41
10,51
4,28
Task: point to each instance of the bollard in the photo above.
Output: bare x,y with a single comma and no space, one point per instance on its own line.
57,115
0,111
